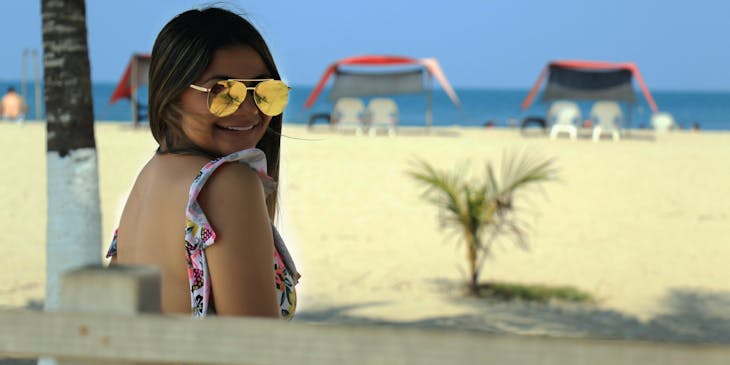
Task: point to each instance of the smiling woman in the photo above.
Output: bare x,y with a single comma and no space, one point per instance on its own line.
223,120
204,122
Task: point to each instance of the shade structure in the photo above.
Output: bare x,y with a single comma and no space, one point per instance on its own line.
136,74
372,75
590,80
354,84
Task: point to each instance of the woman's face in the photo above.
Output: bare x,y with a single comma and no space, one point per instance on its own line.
241,130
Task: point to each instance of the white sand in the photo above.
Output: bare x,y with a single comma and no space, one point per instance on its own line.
641,224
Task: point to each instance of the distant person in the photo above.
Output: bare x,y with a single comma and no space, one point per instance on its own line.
13,106
201,209
695,126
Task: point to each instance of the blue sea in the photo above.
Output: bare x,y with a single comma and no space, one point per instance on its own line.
710,109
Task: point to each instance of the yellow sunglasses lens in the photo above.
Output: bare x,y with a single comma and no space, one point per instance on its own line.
271,97
226,96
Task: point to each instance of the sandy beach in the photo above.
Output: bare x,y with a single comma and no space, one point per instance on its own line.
640,224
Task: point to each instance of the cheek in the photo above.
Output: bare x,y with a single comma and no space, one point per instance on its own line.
193,103
196,126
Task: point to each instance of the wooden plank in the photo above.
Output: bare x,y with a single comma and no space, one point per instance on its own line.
118,289
176,339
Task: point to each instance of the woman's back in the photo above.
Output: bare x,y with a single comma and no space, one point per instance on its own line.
152,227
224,245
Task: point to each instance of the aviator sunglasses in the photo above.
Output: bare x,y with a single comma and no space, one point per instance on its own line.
224,98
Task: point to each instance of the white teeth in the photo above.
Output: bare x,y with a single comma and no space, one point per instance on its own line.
240,129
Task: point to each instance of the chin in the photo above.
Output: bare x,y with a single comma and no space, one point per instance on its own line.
231,142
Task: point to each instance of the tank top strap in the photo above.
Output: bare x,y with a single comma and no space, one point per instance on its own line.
199,233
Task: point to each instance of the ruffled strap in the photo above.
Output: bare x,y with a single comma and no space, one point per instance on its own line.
204,235
201,235
285,256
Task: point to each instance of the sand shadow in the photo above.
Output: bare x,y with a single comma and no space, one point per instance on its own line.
34,305
696,315
691,316
586,134
338,314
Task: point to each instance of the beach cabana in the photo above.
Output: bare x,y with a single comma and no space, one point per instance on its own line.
374,75
590,80
135,75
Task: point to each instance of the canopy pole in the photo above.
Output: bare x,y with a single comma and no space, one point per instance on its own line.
37,77
22,74
629,118
133,84
429,101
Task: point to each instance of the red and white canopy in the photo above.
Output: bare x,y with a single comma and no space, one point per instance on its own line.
431,65
591,80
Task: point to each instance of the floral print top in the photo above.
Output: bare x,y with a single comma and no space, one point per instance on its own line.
199,235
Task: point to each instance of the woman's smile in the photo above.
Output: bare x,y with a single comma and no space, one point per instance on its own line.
239,127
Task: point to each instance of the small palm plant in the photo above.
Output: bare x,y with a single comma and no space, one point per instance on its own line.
482,212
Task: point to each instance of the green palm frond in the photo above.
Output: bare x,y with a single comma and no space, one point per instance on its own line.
521,169
442,189
475,211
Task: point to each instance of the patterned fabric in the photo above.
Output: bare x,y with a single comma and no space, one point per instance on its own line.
199,235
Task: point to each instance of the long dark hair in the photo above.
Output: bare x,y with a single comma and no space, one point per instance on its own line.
182,52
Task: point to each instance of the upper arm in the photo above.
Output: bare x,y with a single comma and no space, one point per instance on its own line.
241,260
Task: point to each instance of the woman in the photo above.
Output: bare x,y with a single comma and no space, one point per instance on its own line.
215,97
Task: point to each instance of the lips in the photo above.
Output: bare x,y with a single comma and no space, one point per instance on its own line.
238,128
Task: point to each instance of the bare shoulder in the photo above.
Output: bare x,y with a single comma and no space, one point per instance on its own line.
232,182
174,165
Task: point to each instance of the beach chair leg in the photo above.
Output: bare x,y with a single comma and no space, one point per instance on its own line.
596,134
553,132
616,136
573,133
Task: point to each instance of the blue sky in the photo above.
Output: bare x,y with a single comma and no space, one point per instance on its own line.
487,43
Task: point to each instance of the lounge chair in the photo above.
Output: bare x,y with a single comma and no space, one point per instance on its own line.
348,112
382,112
607,118
564,116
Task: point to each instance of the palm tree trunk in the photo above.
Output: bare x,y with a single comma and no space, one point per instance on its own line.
74,217
472,258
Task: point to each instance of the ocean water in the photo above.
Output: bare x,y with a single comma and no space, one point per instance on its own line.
710,109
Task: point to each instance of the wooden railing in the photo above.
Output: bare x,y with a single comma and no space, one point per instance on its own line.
112,316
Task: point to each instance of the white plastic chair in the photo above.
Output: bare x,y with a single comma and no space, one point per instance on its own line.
662,121
564,116
382,112
607,117
348,112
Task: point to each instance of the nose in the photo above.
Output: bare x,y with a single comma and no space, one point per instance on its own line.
249,104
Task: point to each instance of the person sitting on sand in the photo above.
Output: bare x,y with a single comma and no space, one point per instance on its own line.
13,106
201,208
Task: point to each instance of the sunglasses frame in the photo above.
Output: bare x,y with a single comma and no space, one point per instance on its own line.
242,81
